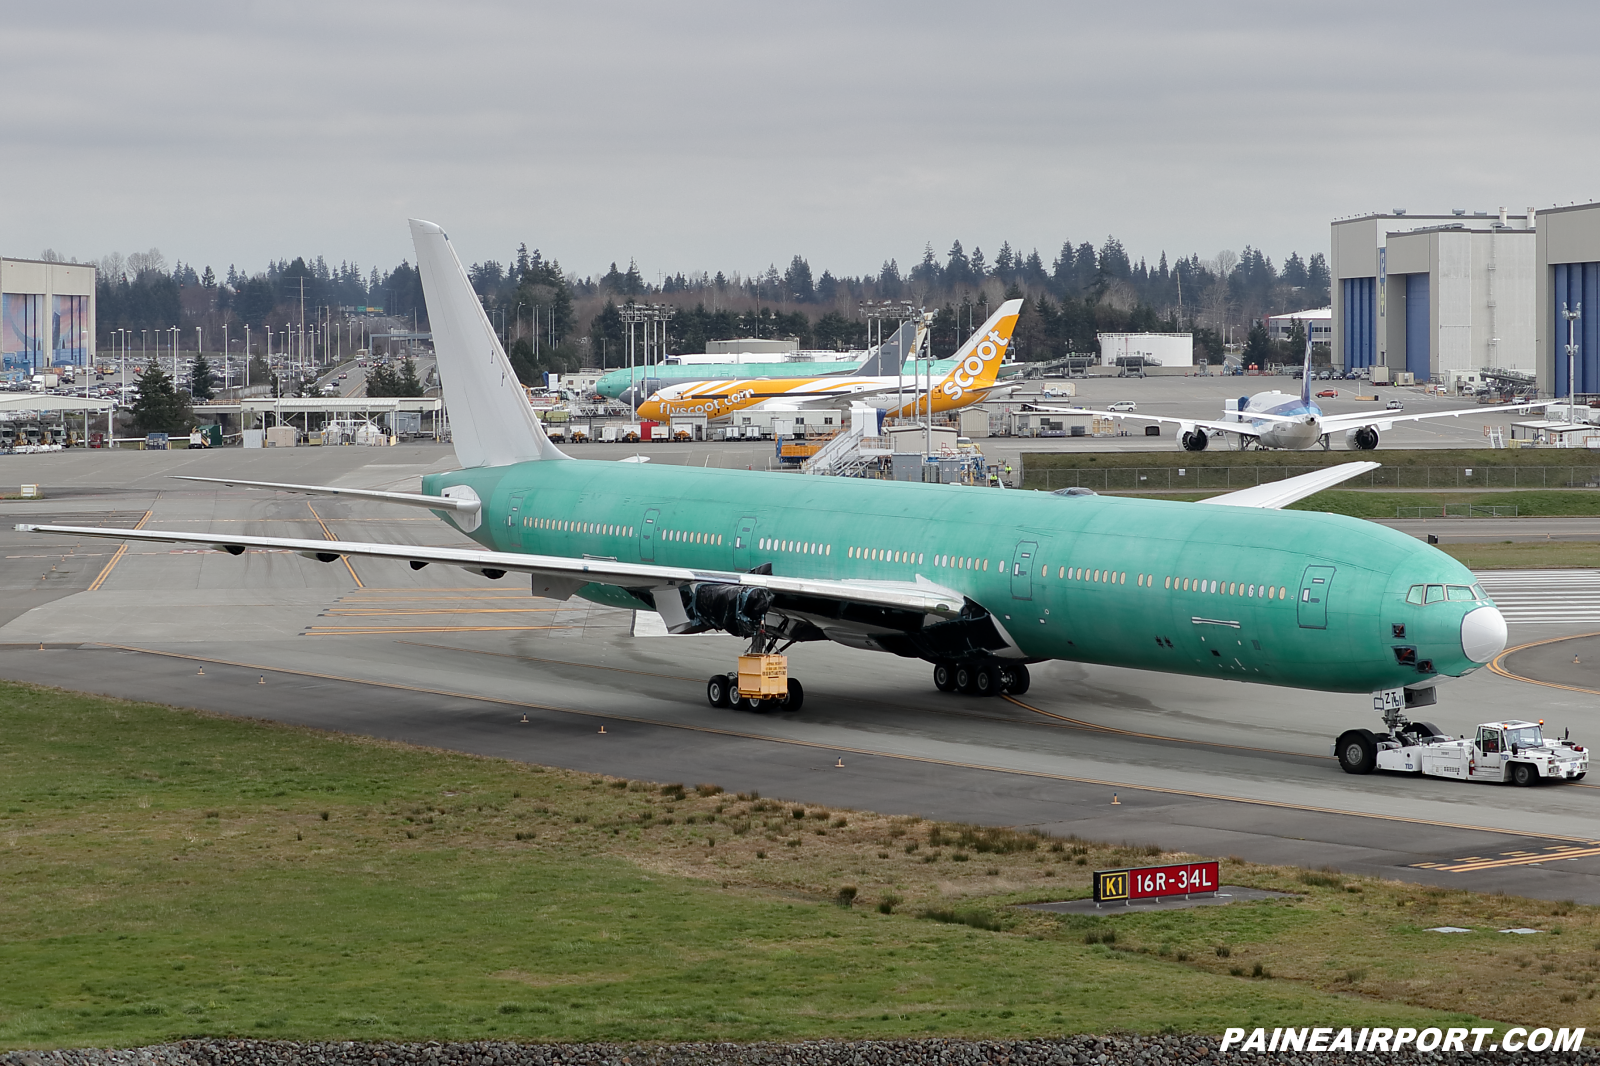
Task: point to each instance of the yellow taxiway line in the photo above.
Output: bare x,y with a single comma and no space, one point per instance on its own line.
122,549
326,532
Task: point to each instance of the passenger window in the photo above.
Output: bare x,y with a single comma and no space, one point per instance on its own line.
1489,740
1458,592
1435,594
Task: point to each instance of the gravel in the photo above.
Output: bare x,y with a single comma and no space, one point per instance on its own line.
1073,1051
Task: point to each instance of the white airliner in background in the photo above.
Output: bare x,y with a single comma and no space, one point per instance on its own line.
1279,420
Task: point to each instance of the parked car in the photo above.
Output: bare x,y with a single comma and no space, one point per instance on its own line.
1123,405
1328,393
1395,405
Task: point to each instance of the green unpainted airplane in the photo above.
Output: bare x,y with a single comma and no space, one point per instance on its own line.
978,582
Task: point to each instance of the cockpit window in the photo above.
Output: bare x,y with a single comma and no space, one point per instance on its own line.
1478,593
1435,593
1459,592
1415,594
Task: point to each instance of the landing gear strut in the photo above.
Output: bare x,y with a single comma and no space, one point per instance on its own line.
982,678
762,682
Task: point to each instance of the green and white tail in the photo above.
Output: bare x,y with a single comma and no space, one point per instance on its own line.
491,421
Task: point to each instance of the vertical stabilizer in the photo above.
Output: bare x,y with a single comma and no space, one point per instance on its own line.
978,361
890,356
1305,375
491,421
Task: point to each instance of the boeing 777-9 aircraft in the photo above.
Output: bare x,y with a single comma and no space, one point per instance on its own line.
977,582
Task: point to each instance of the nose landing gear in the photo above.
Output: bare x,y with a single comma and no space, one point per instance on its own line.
981,678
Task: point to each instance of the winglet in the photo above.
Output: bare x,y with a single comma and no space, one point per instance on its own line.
1305,376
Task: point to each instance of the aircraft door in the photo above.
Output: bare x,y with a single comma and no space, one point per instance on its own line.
1312,605
1022,569
742,542
647,535
514,519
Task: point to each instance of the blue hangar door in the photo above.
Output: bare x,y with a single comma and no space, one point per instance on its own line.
1418,351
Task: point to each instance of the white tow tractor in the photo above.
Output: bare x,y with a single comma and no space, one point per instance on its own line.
1514,751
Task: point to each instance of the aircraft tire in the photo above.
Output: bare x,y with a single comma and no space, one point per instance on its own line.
967,679
944,675
718,692
794,700
1017,681
986,681
1357,751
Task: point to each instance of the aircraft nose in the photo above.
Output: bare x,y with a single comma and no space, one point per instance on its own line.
1483,634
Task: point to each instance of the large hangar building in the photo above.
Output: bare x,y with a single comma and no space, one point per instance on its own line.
46,315
1433,294
1568,265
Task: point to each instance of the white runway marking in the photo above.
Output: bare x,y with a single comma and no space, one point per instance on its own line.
1544,596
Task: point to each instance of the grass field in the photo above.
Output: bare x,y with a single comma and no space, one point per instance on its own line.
1525,555
1392,457
167,873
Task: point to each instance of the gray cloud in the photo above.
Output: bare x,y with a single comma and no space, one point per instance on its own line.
727,136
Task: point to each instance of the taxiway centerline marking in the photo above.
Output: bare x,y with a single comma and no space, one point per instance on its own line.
326,532
817,745
122,549
1496,667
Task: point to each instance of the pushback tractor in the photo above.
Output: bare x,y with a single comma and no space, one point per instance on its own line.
1514,751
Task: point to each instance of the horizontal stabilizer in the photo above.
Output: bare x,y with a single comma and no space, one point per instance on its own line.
411,499
1282,493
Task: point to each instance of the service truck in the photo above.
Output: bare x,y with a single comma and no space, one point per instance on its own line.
1514,751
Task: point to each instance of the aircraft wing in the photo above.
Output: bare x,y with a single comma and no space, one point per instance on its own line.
1184,425
859,602
1384,421
1278,494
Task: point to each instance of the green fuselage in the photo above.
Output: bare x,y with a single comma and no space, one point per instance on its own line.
1061,574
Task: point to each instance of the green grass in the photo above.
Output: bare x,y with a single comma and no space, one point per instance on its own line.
1546,503
1389,457
1525,555
166,873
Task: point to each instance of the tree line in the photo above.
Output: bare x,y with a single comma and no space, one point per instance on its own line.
552,320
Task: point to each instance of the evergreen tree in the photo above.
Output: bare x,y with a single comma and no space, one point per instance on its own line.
200,379
157,407
208,279
1257,347
408,384
381,381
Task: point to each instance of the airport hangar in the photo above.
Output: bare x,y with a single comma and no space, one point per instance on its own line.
1438,295
47,315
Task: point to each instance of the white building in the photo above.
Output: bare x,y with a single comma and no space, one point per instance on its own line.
46,314
1435,293
1165,349
1318,320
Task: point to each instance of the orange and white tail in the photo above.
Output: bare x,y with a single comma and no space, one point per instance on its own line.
978,361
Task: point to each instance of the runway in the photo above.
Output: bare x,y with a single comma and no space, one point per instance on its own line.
442,658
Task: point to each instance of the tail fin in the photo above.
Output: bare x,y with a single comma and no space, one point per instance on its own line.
890,356
491,421
1305,374
978,361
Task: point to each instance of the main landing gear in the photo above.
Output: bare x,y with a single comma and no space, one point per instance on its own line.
981,678
762,682
723,691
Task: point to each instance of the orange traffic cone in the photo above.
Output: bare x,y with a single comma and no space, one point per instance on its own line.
1114,801
602,729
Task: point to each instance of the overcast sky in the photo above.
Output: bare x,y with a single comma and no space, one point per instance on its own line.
698,135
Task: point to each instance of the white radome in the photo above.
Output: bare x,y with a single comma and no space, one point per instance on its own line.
1483,634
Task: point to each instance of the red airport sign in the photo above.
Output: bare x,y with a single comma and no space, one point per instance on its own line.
1154,882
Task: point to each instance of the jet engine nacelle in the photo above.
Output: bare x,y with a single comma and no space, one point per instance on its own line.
1195,440
1361,439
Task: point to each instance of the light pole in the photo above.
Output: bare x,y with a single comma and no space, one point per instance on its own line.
199,351
174,331
1572,317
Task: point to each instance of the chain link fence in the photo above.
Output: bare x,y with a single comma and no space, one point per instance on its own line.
1223,478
